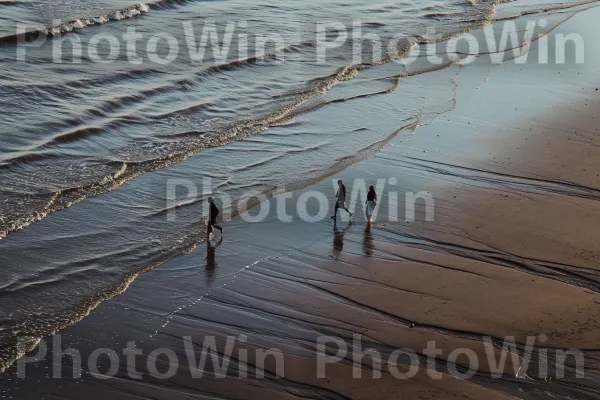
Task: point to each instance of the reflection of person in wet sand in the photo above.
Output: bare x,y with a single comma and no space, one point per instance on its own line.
211,264
368,241
338,240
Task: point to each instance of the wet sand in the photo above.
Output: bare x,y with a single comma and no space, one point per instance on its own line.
512,252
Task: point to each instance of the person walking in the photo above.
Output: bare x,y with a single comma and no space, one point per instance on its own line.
340,197
212,217
371,203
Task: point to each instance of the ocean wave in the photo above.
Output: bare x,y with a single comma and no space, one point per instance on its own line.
145,156
38,326
77,24
159,152
85,22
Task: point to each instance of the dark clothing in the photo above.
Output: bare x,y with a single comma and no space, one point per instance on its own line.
214,211
212,218
372,196
341,195
340,201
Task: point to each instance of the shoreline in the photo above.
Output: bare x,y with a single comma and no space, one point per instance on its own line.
464,231
121,172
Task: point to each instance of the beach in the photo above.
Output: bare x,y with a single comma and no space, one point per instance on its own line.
498,249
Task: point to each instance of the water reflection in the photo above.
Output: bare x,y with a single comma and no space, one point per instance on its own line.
338,240
211,263
368,244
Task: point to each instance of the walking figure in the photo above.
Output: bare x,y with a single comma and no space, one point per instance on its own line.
212,217
371,203
340,201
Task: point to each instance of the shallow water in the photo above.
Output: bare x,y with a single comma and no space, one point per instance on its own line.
75,135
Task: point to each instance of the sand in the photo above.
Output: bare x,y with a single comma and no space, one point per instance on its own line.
512,252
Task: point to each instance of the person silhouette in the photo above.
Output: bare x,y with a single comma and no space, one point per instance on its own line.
340,200
371,203
212,217
211,264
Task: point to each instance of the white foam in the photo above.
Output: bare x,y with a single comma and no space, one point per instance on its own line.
130,12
